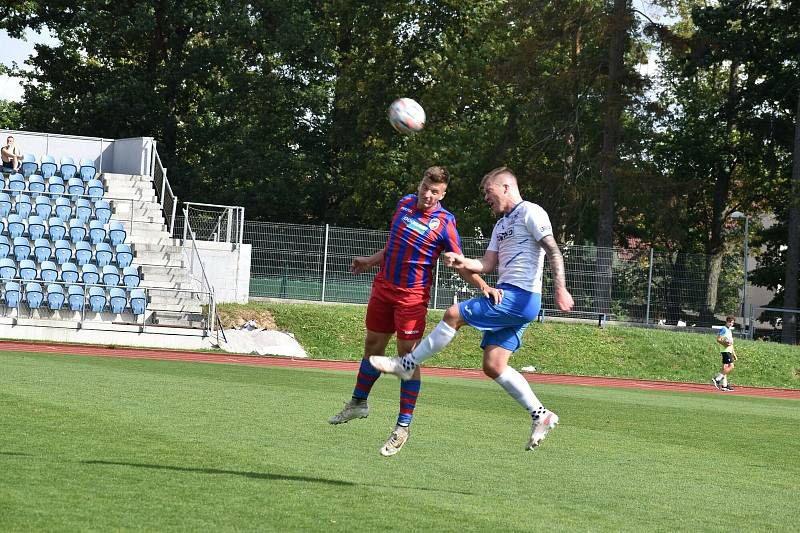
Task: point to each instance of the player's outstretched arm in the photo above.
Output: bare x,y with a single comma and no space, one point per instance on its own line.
361,264
485,264
563,298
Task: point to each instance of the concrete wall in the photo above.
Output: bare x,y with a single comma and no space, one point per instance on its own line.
228,270
122,156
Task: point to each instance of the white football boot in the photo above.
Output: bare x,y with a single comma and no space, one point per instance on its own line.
392,365
543,421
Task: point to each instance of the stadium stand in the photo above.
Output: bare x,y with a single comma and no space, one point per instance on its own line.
86,249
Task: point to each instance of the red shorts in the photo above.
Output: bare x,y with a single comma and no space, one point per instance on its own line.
397,309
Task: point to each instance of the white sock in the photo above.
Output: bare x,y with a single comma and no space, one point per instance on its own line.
724,381
719,377
519,389
437,339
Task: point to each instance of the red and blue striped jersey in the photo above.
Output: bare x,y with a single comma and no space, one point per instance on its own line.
415,241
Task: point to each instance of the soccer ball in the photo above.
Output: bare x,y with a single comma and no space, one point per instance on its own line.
406,115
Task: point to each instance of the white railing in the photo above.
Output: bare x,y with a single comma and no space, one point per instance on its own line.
197,272
168,200
214,222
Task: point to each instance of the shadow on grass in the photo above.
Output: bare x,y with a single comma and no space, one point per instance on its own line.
16,453
261,475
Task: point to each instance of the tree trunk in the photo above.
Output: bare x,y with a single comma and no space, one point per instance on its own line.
789,335
715,248
610,152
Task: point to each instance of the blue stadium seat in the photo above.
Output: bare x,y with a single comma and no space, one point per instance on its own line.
34,295
111,275
5,204
83,209
16,227
90,275
88,170
138,301
5,246
116,232
97,299
8,268
55,296
43,207
29,165
36,227
102,254
48,166
124,255
69,273
77,230
36,185
63,208
76,297
75,187
16,182
42,251
117,299
83,252
11,294
23,205
22,248
131,277
56,229
63,251
102,211
55,186
95,189
27,270
97,231
68,168
48,271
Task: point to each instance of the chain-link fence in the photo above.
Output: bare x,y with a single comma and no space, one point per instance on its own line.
312,263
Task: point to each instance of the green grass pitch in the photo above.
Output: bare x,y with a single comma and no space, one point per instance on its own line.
90,443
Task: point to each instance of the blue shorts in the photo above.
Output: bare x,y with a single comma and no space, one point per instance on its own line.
504,324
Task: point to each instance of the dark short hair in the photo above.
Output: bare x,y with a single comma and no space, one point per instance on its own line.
730,317
437,174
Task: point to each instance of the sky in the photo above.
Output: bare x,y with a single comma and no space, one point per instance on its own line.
17,50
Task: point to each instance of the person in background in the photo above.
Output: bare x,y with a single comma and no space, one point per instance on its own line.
11,155
725,339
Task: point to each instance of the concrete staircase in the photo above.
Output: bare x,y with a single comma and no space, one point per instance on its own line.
160,257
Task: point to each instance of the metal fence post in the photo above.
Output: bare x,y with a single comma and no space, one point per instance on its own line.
649,286
325,261
436,286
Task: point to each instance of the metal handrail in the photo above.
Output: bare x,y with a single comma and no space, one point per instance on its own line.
164,190
212,309
231,211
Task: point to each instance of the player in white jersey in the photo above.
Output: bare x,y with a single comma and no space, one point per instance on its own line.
520,240
725,339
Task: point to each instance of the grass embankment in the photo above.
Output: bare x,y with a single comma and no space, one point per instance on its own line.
337,332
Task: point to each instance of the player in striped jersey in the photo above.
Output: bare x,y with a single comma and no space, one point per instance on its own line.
520,240
421,229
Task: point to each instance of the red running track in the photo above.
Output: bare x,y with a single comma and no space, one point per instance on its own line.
352,366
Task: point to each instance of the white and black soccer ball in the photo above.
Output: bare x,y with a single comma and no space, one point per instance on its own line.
406,116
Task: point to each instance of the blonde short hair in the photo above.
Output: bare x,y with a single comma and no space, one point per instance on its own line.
492,174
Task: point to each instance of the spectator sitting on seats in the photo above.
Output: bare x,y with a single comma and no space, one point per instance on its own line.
11,155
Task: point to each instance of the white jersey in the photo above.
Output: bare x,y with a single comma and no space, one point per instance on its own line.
515,238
